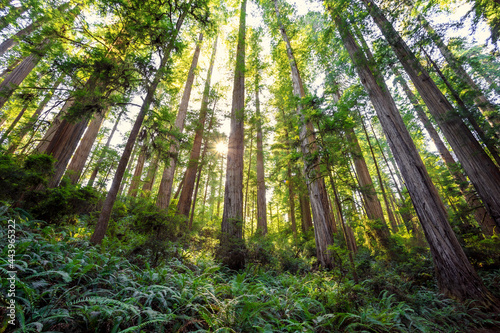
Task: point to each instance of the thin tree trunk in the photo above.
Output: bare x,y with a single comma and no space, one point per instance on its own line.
372,204
179,187
483,104
245,206
232,246
14,123
456,277
203,205
220,185
483,173
77,164
102,223
261,184
101,158
165,190
187,190
480,214
305,212
136,178
392,220
25,128
315,183
150,176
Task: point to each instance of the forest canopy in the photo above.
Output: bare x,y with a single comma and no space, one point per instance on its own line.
248,166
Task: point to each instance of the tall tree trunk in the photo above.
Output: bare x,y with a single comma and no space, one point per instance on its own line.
480,214
136,178
372,204
261,184
25,128
219,192
151,174
165,190
106,146
455,276
315,183
232,245
14,123
102,223
18,74
245,206
187,190
77,164
480,169
484,105
305,212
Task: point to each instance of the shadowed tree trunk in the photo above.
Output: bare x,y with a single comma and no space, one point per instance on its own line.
77,164
483,173
136,178
455,276
187,190
150,176
245,204
483,219
102,223
232,245
261,184
165,190
14,123
372,204
315,183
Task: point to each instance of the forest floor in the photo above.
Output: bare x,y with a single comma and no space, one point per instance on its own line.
63,284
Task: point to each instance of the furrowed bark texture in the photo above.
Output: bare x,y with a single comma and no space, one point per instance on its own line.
315,183
478,166
77,164
102,223
165,190
231,250
455,276
187,190
482,217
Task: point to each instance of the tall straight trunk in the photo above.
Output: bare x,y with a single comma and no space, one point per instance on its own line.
484,105
219,192
150,175
305,212
207,183
102,223
106,146
77,164
200,168
390,214
187,190
245,206
167,180
478,166
128,175
377,225
9,43
136,178
179,186
232,245
261,184
34,117
349,245
18,74
315,183
455,276
484,220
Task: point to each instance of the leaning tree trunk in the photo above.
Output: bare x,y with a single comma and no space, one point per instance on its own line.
232,246
77,164
481,101
480,169
136,178
373,208
455,276
315,183
14,123
484,220
102,222
93,176
165,190
18,74
187,190
150,175
261,184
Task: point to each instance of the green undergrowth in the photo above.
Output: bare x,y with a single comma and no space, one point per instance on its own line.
66,285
